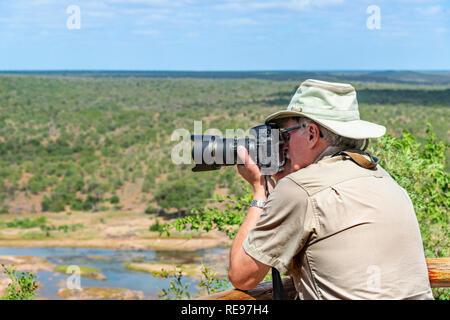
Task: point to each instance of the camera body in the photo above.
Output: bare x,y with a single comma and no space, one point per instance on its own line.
211,152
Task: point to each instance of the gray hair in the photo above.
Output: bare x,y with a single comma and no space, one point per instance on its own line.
334,139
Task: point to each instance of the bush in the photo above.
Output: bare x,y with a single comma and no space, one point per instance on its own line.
45,204
114,200
77,205
53,204
4,209
151,210
158,227
37,184
88,204
23,285
26,223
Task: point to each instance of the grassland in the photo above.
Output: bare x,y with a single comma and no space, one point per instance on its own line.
103,144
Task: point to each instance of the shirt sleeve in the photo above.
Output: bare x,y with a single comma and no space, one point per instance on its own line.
284,227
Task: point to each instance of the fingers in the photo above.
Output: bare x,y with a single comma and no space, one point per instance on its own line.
244,156
248,169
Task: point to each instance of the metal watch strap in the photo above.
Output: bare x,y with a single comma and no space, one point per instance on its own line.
257,203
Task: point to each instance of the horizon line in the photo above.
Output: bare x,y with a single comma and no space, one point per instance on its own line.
218,70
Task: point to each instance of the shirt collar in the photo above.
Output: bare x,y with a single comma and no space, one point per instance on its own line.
329,151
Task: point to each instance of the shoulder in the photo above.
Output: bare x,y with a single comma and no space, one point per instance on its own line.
287,196
328,172
287,189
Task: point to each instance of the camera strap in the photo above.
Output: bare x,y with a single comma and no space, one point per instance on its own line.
360,160
278,291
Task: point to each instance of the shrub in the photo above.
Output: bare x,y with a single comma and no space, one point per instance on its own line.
151,210
4,209
90,202
53,204
158,227
26,223
45,204
23,285
114,199
37,184
77,205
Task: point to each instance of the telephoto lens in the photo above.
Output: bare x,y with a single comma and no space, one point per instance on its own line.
211,152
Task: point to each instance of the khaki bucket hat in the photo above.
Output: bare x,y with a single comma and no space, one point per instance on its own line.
332,105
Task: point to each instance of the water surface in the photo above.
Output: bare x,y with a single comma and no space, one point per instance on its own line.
111,263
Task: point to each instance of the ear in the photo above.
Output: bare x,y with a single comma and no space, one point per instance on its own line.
313,135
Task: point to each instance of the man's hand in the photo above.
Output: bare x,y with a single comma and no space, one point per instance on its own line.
252,174
250,170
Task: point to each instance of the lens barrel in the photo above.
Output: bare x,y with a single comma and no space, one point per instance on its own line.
212,152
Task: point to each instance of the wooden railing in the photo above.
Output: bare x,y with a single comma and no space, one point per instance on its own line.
438,273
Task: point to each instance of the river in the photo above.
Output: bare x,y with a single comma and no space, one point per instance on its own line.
112,263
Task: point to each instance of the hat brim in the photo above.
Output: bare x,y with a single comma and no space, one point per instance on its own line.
355,129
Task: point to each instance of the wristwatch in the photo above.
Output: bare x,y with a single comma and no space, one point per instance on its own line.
257,203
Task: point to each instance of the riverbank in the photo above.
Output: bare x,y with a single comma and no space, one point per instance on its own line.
107,230
125,244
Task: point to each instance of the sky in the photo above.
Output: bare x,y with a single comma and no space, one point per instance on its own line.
225,35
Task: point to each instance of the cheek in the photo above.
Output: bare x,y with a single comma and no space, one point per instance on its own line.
295,153
296,162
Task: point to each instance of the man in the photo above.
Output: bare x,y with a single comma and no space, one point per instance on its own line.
336,222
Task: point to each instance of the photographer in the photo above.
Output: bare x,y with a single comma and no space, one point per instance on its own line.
335,220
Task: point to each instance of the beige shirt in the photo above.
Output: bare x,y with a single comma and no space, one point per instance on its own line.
342,232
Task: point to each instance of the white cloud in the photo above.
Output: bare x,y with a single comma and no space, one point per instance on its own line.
101,5
148,32
193,35
430,11
295,5
36,3
99,14
151,3
234,22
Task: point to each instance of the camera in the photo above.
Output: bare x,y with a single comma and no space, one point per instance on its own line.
211,152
